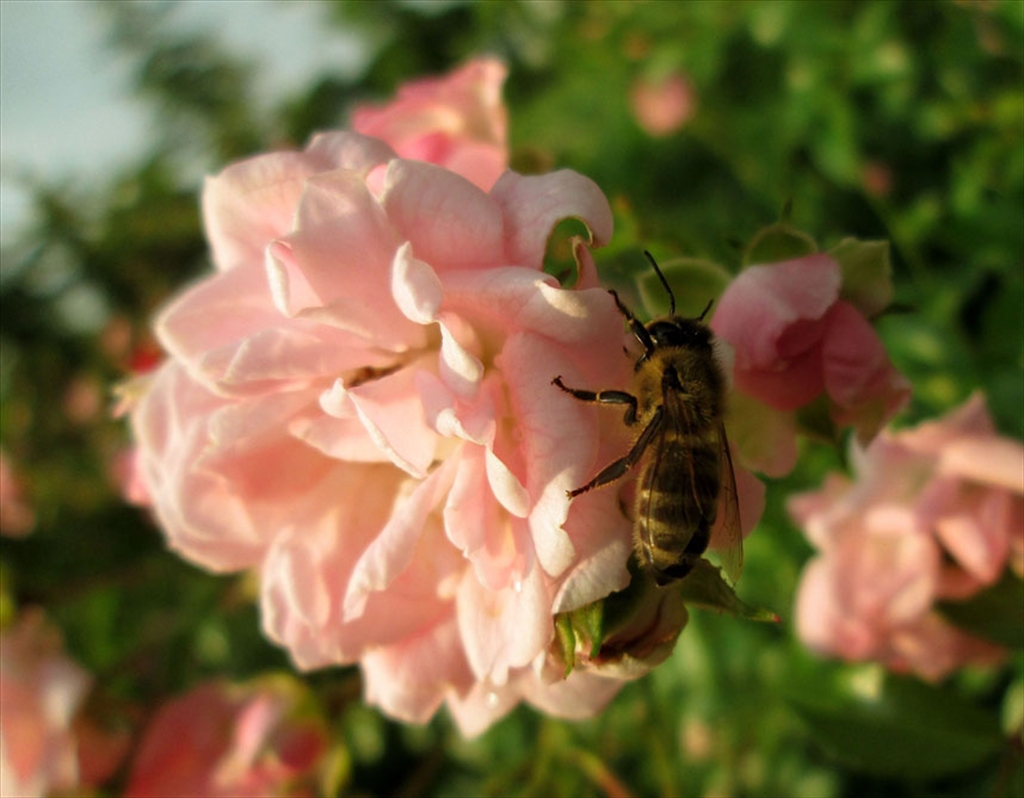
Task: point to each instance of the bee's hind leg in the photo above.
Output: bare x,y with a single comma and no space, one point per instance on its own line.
618,468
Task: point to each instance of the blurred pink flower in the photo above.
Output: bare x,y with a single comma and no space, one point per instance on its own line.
457,121
934,513
46,746
663,104
16,516
796,340
358,403
83,400
220,740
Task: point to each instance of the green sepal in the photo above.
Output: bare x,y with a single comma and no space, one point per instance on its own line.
814,420
595,622
778,242
867,274
588,624
621,606
694,282
565,636
704,587
581,626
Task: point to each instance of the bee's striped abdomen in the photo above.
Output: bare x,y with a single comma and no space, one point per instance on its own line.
677,499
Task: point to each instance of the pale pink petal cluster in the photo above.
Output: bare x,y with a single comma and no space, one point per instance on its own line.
458,121
46,746
795,340
226,740
934,513
358,404
17,518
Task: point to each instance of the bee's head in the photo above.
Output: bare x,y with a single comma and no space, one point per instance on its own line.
677,331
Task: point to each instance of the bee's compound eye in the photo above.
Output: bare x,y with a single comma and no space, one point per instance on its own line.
677,331
666,333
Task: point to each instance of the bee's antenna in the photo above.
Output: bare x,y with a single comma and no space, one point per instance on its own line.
704,312
664,282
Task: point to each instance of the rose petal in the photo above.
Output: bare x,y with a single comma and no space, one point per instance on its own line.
351,151
253,202
343,246
987,460
602,533
933,647
452,417
457,121
578,696
460,370
762,303
508,490
481,706
416,287
203,514
498,549
555,439
971,419
393,548
977,538
503,629
432,207
533,205
391,411
822,624
307,567
410,679
858,375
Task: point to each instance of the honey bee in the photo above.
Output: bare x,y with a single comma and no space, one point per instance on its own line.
686,482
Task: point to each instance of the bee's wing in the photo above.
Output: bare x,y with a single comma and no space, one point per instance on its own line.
680,425
654,460
727,533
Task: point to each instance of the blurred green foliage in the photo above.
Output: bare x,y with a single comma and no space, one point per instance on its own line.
899,121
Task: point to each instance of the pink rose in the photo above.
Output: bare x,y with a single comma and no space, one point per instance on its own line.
664,104
46,745
457,121
358,404
795,340
933,513
221,740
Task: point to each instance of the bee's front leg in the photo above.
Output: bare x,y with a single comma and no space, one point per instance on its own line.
604,398
636,326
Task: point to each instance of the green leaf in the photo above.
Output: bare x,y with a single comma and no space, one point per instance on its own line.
996,613
704,587
867,274
778,242
893,726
